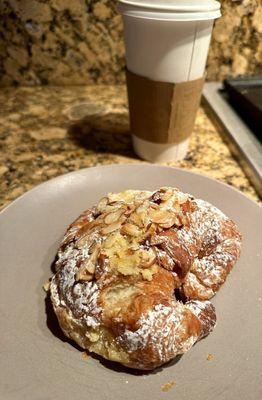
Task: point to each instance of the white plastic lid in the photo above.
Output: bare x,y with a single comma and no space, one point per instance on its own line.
185,10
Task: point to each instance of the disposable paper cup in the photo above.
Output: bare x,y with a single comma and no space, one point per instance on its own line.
166,41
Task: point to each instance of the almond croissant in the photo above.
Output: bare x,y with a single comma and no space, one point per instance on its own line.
134,275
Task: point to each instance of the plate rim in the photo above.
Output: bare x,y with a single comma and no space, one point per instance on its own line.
114,165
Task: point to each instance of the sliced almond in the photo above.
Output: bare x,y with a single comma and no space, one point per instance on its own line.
144,206
173,220
166,193
88,266
182,197
87,228
176,206
85,241
86,271
84,276
116,197
151,231
129,210
115,205
184,220
136,219
102,205
154,206
130,229
95,252
148,258
88,239
140,216
110,241
160,216
164,218
46,286
93,245
113,216
111,228
162,195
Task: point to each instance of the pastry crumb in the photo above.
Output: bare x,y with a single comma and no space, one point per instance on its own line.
85,355
210,357
167,386
46,286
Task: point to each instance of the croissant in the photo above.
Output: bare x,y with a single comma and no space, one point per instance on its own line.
135,273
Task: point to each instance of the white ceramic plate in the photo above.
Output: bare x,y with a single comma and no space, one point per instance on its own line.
36,363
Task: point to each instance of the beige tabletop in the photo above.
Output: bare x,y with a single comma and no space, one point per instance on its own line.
49,131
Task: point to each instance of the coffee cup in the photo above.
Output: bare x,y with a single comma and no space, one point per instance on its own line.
166,46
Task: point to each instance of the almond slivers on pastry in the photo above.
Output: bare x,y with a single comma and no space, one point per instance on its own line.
134,275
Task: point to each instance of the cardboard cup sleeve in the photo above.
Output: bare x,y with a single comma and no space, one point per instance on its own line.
162,112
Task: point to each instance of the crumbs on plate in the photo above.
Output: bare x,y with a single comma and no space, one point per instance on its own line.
85,355
210,357
46,286
167,386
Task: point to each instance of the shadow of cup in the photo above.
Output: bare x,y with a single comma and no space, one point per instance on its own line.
99,128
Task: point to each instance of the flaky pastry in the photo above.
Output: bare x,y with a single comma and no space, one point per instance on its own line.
134,275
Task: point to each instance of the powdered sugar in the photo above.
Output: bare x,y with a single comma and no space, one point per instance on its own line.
206,232
197,306
204,227
54,292
162,332
206,221
205,312
81,297
86,296
161,329
204,205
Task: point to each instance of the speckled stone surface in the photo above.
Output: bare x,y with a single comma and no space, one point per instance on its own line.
236,46
48,131
65,42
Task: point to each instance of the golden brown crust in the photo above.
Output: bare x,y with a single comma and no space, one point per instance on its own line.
120,263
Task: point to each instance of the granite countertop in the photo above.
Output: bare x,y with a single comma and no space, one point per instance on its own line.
65,42
48,131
